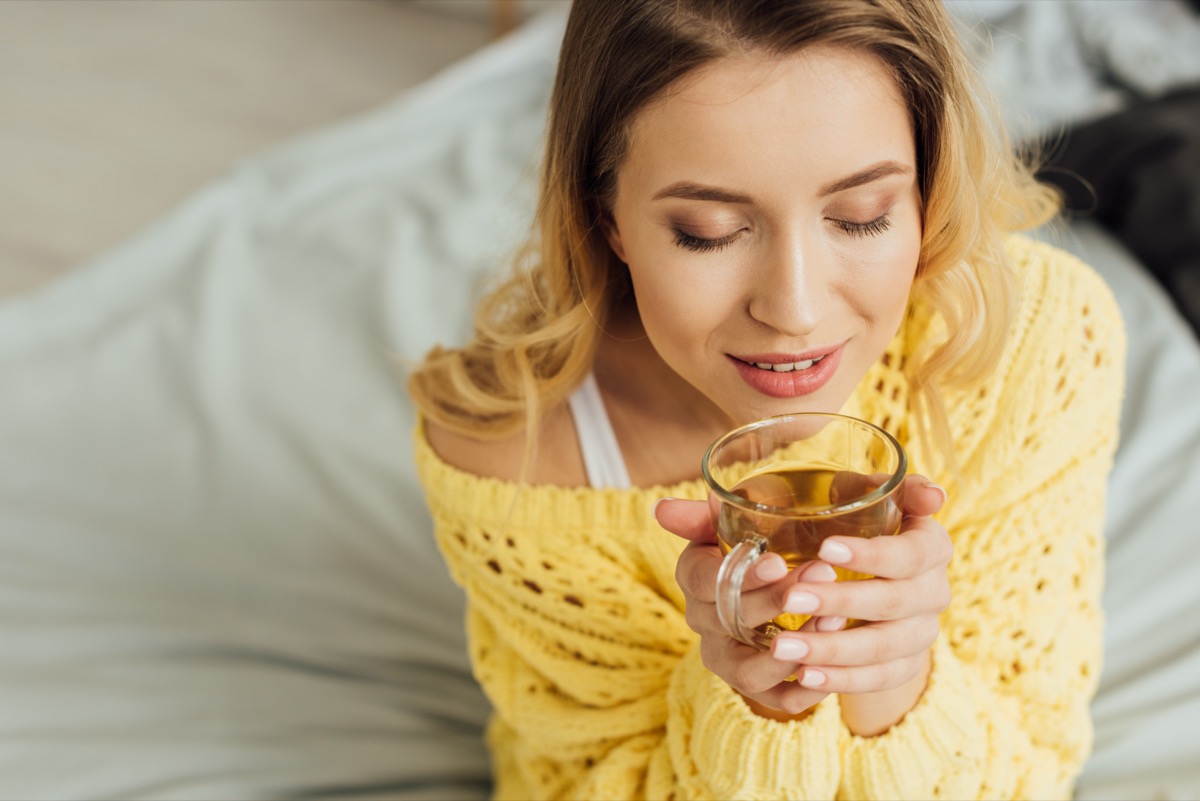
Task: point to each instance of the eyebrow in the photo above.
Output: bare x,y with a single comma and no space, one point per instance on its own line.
875,172
691,191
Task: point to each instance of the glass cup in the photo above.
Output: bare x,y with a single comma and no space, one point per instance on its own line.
784,484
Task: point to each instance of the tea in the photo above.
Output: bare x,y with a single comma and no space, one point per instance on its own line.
784,484
796,508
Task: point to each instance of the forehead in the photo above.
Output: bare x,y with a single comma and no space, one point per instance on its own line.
803,74
820,108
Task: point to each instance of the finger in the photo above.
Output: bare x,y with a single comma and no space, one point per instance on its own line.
922,497
758,606
829,623
922,545
848,485
758,677
790,697
872,599
767,603
815,572
771,567
699,564
864,645
696,572
688,519
864,679
745,669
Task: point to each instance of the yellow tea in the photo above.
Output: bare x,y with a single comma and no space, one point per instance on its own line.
796,508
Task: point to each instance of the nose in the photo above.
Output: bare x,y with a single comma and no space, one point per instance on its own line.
790,293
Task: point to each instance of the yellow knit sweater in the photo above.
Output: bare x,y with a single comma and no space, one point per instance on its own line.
577,629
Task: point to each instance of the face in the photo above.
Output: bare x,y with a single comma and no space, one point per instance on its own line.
770,216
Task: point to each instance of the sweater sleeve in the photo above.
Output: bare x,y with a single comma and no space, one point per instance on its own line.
1005,713
597,684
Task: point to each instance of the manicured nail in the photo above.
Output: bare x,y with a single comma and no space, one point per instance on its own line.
790,650
770,568
832,623
938,488
812,678
801,603
654,508
835,552
820,572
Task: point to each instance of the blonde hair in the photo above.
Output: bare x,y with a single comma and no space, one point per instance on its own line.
536,333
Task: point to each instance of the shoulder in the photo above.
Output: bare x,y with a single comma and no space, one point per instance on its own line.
1069,336
1065,310
1061,293
1057,392
553,457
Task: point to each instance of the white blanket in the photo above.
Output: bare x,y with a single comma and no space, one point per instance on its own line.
217,577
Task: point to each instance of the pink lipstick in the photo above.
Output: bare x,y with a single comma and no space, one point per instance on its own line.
788,375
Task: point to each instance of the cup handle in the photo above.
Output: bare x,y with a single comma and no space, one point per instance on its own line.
730,579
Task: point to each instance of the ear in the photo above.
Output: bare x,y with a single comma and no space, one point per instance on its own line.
613,235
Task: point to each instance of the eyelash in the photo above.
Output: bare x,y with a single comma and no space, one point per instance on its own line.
703,245
873,228
700,245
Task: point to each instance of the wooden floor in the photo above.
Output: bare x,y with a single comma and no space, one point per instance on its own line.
112,111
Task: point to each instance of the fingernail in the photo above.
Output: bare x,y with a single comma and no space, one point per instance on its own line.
801,603
812,678
832,623
654,508
790,650
820,572
938,488
771,568
833,551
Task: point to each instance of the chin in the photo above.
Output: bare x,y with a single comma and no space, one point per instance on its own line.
824,402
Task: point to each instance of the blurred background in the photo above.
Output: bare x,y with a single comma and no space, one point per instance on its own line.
227,227
115,110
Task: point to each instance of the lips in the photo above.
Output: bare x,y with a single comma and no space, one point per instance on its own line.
788,375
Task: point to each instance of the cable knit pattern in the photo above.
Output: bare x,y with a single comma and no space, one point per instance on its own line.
578,636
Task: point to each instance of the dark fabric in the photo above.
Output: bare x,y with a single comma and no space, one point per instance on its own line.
1138,173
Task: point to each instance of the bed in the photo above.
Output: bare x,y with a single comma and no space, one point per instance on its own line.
217,577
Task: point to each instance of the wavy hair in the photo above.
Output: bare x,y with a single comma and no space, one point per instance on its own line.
536,333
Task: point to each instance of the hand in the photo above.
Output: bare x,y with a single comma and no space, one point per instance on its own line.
880,667
755,674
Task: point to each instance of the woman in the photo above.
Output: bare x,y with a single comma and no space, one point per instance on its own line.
750,208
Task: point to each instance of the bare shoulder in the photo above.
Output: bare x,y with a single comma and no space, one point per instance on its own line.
556,460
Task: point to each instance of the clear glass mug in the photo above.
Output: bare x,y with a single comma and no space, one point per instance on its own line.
784,484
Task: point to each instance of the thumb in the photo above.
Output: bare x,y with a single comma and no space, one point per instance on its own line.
687,519
921,496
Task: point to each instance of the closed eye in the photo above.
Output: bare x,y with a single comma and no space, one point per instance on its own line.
701,245
871,228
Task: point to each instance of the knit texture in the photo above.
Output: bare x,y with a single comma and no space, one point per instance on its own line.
577,632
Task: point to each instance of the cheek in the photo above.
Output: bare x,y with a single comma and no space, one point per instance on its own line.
899,276
906,265
679,304
883,276
667,314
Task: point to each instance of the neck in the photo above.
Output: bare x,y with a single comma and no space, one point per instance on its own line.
647,401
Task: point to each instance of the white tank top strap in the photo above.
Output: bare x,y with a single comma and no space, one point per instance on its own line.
601,454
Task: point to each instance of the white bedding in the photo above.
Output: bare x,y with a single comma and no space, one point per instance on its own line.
217,578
